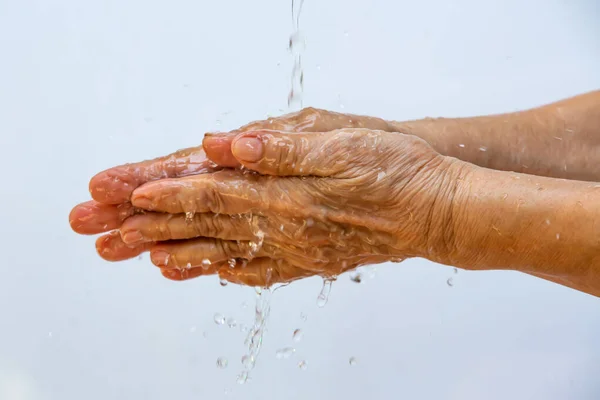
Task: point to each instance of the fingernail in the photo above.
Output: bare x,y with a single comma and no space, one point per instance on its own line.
133,237
249,149
160,258
142,202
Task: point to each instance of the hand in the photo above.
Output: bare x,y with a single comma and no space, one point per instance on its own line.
340,199
111,189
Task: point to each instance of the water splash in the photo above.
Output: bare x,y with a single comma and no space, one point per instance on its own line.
219,319
255,336
222,362
285,353
352,361
356,276
303,365
297,335
325,291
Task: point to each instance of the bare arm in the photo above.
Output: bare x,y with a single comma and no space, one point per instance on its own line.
559,140
545,227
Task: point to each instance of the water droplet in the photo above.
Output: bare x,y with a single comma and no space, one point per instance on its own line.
557,236
193,329
483,148
303,365
244,305
461,145
242,378
231,262
450,282
310,222
352,361
325,291
248,361
456,270
222,362
380,176
346,33
219,319
297,335
318,67
189,217
231,322
285,353
355,276
223,282
206,263
140,257
303,317
244,328
49,334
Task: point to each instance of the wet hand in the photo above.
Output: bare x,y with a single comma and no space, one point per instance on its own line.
319,203
111,189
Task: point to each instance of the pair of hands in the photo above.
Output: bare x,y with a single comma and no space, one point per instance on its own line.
309,193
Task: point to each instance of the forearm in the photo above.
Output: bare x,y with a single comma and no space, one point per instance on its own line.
558,140
546,227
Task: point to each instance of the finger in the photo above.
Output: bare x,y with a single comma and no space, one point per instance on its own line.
115,185
153,227
264,272
187,274
218,147
203,253
229,192
91,217
319,154
111,248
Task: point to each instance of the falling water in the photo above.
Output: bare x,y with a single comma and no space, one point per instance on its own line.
255,336
263,295
296,47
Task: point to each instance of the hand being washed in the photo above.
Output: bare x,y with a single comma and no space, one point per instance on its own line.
341,199
111,189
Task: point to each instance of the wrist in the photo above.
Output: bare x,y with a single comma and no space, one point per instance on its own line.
442,229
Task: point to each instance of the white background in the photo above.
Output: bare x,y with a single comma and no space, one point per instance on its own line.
85,85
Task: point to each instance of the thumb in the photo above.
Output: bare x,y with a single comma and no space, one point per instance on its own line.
296,154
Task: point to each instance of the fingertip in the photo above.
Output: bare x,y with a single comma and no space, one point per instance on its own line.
112,186
248,149
78,217
218,149
112,248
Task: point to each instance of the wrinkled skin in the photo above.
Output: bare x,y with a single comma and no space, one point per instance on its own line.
345,198
341,199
